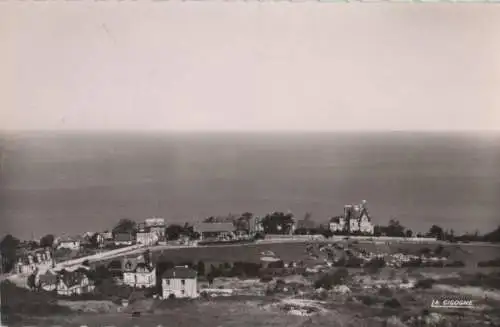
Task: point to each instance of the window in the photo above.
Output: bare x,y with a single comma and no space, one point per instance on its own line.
168,281
183,282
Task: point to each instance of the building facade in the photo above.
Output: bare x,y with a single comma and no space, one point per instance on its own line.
123,239
356,219
337,224
215,231
47,281
180,282
147,236
138,274
27,263
69,243
156,225
74,283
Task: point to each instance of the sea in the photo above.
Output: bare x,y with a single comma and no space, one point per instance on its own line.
75,182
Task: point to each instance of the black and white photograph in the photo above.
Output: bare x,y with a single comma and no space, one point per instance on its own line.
249,164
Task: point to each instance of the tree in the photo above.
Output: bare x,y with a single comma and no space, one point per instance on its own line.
409,233
125,226
243,222
94,240
47,241
201,268
493,236
8,247
436,231
31,282
173,232
395,229
330,280
210,278
147,256
278,223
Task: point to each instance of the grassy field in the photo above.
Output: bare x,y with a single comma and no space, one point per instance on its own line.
470,255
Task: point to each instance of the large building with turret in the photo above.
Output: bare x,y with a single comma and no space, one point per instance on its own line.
355,219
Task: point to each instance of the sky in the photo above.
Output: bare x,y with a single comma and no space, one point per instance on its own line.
188,66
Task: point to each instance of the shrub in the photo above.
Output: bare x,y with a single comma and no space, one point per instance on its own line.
456,263
374,265
266,278
392,303
385,291
329,280
425,283
490,263
367,300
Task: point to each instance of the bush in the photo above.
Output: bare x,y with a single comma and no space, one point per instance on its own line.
490,263
354,262
367,300
392,303
18,302
266,278
456,263
329,280
385,291
374,265
425,283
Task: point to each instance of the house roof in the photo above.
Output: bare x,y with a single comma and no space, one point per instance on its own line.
129,264
179,272
67,239
72,278
143,266
356,212
336,219
123,237
214,227
155,222
49,278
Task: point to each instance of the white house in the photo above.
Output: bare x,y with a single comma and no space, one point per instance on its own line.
69,243
28,262
179,282
356,219
365,224
73,283
138,274
337,224
147,236
156,225
123,239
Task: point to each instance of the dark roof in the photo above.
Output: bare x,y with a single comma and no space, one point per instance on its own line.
123,237
129,264
336,219
49,278
72,278
214,227
143,265
179,272
356,212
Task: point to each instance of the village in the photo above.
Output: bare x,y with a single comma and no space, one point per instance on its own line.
137,268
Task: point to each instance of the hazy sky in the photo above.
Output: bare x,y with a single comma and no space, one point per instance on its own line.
236,65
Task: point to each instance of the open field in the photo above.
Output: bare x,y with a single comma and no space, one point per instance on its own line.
296,251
